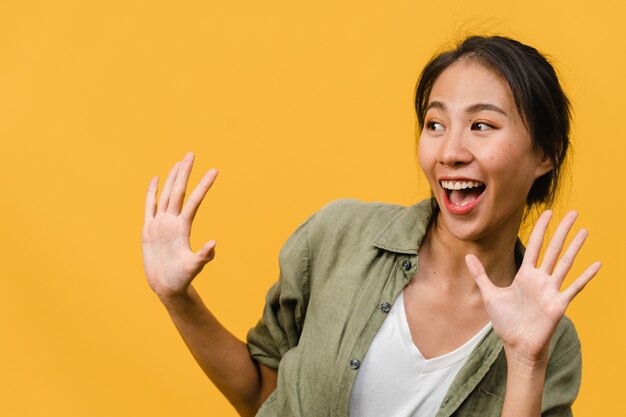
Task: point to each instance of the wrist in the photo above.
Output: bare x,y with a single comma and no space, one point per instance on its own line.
177,300
525,364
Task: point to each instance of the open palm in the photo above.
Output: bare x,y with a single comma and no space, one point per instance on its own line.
525,314
169,263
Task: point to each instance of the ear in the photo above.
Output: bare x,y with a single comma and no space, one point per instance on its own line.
544,165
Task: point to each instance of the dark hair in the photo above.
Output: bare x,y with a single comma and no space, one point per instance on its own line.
539,98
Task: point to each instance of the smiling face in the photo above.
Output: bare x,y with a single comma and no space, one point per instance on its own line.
477,153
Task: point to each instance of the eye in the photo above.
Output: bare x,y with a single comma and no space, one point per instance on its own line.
433,125
481,126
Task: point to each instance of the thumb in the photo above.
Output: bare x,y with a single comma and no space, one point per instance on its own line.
207,252
477,270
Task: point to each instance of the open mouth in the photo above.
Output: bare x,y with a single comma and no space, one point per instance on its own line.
462,193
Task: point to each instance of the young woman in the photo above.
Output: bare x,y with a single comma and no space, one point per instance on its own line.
433,309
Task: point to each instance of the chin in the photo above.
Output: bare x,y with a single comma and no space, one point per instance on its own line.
465,233
478,226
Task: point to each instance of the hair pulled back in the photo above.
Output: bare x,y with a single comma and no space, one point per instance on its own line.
539,98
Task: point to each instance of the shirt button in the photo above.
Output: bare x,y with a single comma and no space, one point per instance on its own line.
385,307
355,363
406,265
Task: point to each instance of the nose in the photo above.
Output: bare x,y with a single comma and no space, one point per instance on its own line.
453,151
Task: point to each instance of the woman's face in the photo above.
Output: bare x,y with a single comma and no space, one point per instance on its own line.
476,153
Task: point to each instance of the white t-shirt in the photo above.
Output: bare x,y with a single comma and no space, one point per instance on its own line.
395,380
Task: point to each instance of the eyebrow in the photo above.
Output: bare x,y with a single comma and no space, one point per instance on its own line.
474,108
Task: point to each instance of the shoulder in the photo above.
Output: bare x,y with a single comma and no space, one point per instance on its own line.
358,227
347,218
340,221
349,212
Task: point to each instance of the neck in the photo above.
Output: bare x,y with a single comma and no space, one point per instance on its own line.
495,251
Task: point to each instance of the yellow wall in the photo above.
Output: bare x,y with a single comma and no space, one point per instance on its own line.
297,103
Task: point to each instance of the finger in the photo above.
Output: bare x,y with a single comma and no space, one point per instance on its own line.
535,241
197,195
150,210
180,185
578,285
477,270
167,188
556,243
566,262
207,252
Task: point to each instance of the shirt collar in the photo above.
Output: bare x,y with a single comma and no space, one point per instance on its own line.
406,230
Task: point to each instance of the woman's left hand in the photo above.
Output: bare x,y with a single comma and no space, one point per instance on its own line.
525,314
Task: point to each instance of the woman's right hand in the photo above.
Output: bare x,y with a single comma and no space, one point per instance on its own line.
169,263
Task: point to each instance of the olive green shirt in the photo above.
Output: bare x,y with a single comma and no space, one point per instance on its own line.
339,273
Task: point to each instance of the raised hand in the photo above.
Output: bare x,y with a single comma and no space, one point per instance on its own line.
169,263
526,314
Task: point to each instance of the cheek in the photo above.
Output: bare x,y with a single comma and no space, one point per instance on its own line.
425,155
515,149
513,170
501,159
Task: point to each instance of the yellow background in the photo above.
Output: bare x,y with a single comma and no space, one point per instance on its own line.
297,103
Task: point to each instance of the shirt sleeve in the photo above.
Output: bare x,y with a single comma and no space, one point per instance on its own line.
285,307
563,375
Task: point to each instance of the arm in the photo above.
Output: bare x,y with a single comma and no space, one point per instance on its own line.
524,385
170,267
526,314
223,358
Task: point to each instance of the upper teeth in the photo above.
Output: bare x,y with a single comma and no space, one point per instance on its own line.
458,185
